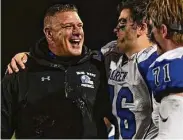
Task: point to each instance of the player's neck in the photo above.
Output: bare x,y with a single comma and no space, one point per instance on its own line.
170,45
141,44
132,51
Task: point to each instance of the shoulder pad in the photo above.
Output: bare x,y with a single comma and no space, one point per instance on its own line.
146,53
109,47
170,55
97,55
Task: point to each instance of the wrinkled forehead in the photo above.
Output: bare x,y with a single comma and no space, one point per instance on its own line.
66,17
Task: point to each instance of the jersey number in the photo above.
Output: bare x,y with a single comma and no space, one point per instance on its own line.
156,72
127,118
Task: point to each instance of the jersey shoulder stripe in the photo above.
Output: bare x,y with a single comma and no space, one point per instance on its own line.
170,55
146,53
109,47
144,59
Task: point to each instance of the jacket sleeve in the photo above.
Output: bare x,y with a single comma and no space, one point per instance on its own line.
103,105
8,99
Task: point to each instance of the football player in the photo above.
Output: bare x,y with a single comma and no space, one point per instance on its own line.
165,74
127,61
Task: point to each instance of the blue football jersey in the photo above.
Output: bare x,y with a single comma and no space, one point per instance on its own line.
165,75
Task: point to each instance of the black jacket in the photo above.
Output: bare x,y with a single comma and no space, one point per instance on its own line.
56,97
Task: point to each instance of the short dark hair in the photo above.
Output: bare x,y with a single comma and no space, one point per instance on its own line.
56,9
136,7
60,8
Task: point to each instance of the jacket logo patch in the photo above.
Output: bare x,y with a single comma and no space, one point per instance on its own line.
45,78
86,79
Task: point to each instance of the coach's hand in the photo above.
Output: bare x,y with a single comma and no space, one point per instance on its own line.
19,59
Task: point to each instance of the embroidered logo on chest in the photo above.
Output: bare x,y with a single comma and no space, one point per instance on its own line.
86,79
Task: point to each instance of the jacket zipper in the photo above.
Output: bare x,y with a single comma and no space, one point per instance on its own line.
66,84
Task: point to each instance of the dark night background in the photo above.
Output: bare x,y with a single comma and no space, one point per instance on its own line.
22,23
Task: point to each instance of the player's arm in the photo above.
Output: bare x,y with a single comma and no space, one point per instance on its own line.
8,106
178,94
171,114
166,80
155,113
18,61
103,106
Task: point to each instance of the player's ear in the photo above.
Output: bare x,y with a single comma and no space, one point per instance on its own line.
164,30
48,33
142,29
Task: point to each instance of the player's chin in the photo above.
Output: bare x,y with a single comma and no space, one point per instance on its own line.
120,44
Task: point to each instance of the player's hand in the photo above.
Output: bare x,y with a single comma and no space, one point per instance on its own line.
107,123
110,129
19,59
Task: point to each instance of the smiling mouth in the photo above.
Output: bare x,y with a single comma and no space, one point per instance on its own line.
75,42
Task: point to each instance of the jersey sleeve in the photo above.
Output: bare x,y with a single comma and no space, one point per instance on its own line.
109,47
145,59
166,77
103,105
111,55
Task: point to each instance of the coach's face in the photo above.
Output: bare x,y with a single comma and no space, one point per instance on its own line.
126,34
67,33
